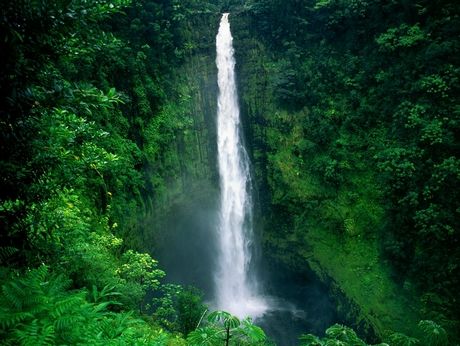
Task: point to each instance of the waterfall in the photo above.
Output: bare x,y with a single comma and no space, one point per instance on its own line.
236,289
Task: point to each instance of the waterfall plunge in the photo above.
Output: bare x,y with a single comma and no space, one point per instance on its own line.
236,291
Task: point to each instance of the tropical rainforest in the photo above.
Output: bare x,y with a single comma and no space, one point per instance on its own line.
351,118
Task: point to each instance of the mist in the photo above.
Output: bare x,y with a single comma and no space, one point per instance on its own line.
299,302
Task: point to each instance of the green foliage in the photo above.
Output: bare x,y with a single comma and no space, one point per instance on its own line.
401,37
399,339
435,335
224,328
139,273
6,252
105,295
79,85
38,309
355,145
179,308
344,336
190,309
353,123
337,334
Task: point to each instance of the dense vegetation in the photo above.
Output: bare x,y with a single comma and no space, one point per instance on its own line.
84,121
352,121
354,126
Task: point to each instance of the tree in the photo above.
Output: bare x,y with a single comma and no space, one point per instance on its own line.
227,329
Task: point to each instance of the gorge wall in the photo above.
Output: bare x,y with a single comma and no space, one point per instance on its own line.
334,167
306,223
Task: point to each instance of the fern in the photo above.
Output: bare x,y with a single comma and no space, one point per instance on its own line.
66,322
336,335
223,327
345,335
36,334
399,339
205,337
435,335
310,340
37,276
35,297
9,319
67,305
106,294
56,287
6,252
223,317
251,331
334,342
12,295
38,309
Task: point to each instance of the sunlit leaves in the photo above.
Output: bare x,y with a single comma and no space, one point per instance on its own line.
310,340
253,333
404,36
141,268
78,156
37,309
71,144
344,334
435,334
399,164
139,273
105,295
227,320
434,85
223,327
399,339
336,335
339,335
93,11
179,308
205,337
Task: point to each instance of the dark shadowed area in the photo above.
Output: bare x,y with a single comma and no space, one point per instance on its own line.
187,249
301,305
299,302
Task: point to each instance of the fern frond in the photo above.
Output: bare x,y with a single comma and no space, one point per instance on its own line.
101,307
310,340
399,339
435,335
37,276
66,305
10,296
57,286
106,293
206,336
9,319
6,252
35,334
66,322
344,334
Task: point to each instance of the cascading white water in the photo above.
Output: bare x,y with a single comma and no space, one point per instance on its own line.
236,292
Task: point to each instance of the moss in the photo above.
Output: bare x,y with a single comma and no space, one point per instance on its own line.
355,267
